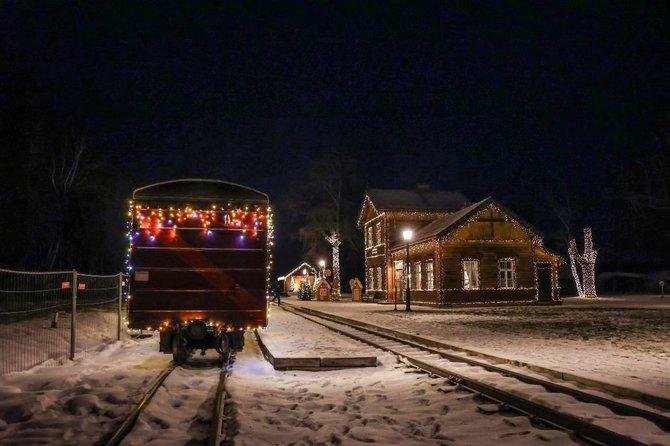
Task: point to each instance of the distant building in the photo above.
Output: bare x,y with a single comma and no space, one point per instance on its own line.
459,252
620,282
292,279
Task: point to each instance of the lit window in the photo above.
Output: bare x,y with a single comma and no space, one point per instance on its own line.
398,275
430,280
370,284
379,278
506,273
378,230
470,274
368,241
409,275
417,276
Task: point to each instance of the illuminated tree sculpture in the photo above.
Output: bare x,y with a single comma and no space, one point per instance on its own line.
334,240
587,262
572,251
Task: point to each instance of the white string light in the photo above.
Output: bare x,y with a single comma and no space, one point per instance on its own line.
587,262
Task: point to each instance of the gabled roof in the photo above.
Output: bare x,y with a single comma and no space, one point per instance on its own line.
319,281
306,265
418,199
449,223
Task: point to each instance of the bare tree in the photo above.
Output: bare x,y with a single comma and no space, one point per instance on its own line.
64,175
320,202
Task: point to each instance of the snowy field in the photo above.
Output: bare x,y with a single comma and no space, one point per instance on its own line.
389,404
79,402
621,340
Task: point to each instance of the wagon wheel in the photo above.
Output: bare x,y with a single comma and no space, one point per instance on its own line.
179,352
223,349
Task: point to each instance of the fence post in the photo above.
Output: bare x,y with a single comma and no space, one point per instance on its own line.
73,322
118,326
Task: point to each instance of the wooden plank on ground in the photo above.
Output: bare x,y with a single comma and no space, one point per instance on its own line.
356,361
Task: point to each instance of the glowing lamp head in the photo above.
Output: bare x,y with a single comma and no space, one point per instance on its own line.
407,234
322,263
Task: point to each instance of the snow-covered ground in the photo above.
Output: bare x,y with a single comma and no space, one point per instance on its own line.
79,402
389,404
621,340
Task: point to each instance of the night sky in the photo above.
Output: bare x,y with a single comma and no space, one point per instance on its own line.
545,106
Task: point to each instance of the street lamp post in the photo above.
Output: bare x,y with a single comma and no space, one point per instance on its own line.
322,265
407,235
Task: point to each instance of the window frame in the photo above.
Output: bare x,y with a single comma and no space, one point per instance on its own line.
510,274
477,270
430,275
378,233
417,276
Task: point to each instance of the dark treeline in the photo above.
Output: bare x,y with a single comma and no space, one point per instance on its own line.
559,114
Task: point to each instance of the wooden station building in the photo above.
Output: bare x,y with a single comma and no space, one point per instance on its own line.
459,252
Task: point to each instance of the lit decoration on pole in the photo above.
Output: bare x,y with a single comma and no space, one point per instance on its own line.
407,236
572,252
587,262
334,240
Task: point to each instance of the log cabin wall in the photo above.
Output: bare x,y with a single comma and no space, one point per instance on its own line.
490,238
382,229
396,222
375,251
542,255
422,253
451,270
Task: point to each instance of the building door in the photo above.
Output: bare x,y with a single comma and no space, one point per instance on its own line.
398,285
543,272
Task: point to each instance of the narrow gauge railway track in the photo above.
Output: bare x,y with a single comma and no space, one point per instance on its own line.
217,435
468,373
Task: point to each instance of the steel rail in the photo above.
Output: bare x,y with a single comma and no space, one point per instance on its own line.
218,431
130,420
661,420
581,428
218,434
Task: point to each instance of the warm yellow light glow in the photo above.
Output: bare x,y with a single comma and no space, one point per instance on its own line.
407,234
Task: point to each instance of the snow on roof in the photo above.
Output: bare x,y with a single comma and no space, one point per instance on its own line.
419,199
306,265
319,281
449,223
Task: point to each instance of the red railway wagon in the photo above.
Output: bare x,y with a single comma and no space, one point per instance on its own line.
199,263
